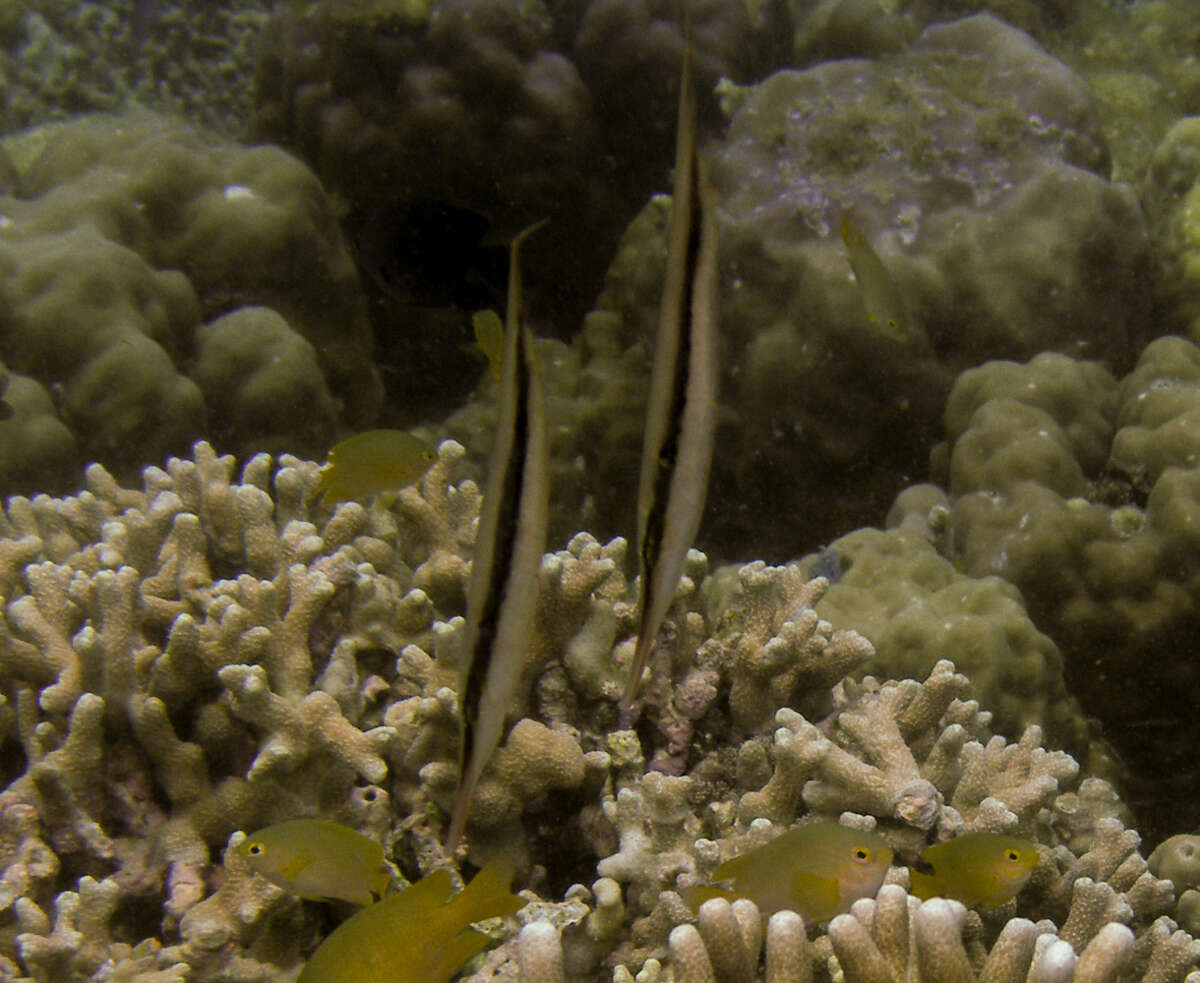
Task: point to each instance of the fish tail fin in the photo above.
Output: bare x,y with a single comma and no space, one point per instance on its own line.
487,895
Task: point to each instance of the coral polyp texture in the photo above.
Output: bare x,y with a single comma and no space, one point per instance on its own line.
216,651
159,287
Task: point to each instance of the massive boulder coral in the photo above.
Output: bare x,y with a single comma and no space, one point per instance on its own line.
196,60
123,239
1172,199
1081,491
973,162
917,609
463,101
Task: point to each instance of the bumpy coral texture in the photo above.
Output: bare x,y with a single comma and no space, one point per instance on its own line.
916,761
465,101
1172,197
124,240
63,57
196,658
1082,491
974,164
916,608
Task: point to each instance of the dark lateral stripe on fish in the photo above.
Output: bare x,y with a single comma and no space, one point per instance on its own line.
680,417
508,551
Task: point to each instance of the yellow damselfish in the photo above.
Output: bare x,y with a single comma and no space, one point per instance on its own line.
420,935
880,295
372,462
489,339
817,871
319,859
979,869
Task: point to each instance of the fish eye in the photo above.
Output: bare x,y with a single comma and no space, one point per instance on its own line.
255,849
862,853
1011,854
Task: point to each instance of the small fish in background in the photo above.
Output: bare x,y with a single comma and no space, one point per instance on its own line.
318,859
681,406
978,869
880,295
372,462
817,871
502,596
489,339
420,935
427,253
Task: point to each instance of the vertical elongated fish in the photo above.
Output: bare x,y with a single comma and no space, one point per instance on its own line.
681,409
508,552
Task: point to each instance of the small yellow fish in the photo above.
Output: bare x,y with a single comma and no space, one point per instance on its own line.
416,936
817,871
880,295
319,859
979,869
372,462
489,337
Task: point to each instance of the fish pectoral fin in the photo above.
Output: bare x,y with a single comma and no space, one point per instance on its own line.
815,895
294,867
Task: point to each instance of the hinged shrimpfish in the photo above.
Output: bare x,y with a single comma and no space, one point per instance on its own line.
817,871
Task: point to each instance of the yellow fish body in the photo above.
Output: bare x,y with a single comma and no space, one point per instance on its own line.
489,339
319,859
880,295
979,869
372,462
817,871
420,935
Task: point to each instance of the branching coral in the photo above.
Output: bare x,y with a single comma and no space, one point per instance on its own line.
208,654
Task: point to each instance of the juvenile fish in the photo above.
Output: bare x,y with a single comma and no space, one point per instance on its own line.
420,935
880,295
489,339
372,462
681,407
979,869
319,859
508,552
817,871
